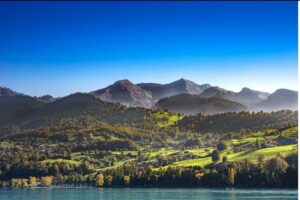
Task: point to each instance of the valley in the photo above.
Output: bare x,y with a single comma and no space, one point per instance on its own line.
82,139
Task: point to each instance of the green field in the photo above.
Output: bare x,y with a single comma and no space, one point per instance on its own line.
193,162
166,119
61,160
237,150
267,152
290,131
251,155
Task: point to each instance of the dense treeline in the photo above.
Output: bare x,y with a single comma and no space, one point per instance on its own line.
235,122
276,172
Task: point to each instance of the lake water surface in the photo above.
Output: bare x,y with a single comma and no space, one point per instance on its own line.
144,194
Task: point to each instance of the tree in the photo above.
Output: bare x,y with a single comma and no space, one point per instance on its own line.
32,181
14,182
126,180
24,182
193,143
46,181
278,164
55,169
59,178
261,162
222,146
275,167
85,167
224,159
247,165
66,167
100,180
19,182
215,156
257,144
109,180
231,174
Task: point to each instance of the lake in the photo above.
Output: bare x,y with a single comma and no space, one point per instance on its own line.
144,194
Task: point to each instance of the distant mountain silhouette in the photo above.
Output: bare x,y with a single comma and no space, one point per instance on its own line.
159,91
217,92
5,92
125,92
246,96
192,104
148,95
279,100
46,98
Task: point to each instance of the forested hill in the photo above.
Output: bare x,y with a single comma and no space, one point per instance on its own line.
193,104
19,113
27,112
235,122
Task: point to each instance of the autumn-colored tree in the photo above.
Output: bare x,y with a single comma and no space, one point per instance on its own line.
32,181
278,164
24,182
46,181
100,180
19,182
231,174
199,175
14,182
126,180
59,178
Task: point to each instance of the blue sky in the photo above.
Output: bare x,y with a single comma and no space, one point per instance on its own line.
63,47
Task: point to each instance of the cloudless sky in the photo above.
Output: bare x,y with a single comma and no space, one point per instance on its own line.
60,48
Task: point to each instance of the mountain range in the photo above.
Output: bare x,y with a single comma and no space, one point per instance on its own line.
125,92
193,104
159,91
183,96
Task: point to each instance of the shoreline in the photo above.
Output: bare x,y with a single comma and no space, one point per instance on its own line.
198,188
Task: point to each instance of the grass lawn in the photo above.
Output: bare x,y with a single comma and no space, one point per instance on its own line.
165,119
268,152
245,140
201,152
290,131
61,160
125,152
192,162
7,144
251,155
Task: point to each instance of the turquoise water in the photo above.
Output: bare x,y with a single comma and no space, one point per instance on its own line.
144,194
